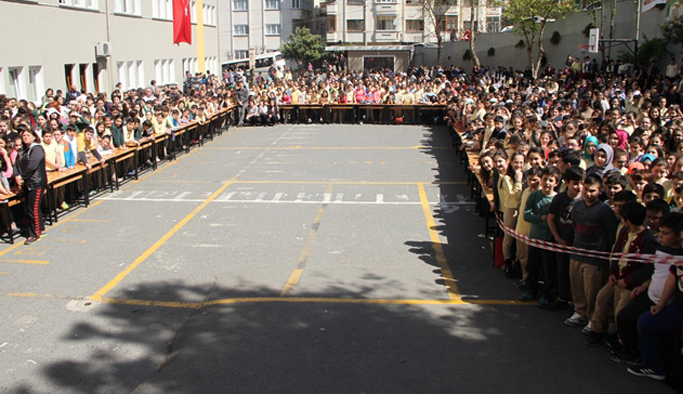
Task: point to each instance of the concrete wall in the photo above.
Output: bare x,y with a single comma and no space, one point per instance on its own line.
571,30
48,35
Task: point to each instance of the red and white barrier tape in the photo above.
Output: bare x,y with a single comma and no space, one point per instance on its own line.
555,247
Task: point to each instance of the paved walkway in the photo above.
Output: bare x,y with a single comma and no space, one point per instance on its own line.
308,259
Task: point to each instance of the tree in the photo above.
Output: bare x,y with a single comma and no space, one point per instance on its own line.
474,5
672,30
435,14
530,18
303,46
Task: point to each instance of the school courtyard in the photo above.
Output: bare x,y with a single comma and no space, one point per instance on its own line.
290,259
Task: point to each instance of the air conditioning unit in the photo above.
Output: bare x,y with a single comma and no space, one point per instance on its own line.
103,48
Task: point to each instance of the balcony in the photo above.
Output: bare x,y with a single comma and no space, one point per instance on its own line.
384,8
385,36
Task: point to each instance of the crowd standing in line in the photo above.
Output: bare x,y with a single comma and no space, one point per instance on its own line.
589,156
66,129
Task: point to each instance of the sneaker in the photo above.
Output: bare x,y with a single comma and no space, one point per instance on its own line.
613,343
575,320
646,372
594,339
527,296
557,305
31,240
521,284
587,329
64,206
623,358
543,302
509,269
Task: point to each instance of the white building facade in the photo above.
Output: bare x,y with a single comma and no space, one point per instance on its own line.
403,21
263,25
96,44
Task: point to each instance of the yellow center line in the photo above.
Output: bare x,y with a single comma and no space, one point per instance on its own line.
104,290
42,262
249,300
448,278
308,246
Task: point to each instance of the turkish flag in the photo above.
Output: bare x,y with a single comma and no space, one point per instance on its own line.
182,22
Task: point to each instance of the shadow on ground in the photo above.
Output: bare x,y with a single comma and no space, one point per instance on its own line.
305,347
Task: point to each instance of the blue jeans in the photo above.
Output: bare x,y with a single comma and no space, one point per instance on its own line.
650,330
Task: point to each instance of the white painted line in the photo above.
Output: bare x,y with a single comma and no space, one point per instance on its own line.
335,202
380,198
224,196
261,196
278,196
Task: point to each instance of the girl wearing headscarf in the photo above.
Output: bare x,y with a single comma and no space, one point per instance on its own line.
603,161
589,147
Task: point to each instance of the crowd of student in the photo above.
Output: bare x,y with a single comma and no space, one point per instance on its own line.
260,100
588,157
66,129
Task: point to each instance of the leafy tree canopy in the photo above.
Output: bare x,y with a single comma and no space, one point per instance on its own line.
303,46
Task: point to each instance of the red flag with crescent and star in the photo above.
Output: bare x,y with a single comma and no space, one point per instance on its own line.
182,22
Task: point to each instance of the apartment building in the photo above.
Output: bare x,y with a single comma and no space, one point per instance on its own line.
403,21
96,44
263,25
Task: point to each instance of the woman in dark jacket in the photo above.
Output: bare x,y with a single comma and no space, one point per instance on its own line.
33,178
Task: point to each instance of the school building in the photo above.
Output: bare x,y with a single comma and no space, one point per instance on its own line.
96,44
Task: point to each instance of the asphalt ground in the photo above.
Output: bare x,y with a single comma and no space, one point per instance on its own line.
292,259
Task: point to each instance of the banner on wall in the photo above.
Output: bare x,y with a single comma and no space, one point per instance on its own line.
182,22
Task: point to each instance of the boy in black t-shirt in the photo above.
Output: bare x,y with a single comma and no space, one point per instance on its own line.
559,221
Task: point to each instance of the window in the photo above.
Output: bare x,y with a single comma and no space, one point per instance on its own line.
240,5
162,9
332,23
386,23
164,71
415,25
273,30
16,82
91,4
492,23
209,12
296,4
193,11
355,25
468,25
272,4
241,30
36,85
355,2
385,1
449,23
242,54
130,7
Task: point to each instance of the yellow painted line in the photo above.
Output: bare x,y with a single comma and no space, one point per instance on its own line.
41,262
367,162
311,300
451,285
90,221
247,300
5,273
75,241
68,219
352,182
104,290
308,247
30,252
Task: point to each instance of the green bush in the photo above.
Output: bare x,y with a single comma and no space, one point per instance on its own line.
521,44
492,52
556,38
467,56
